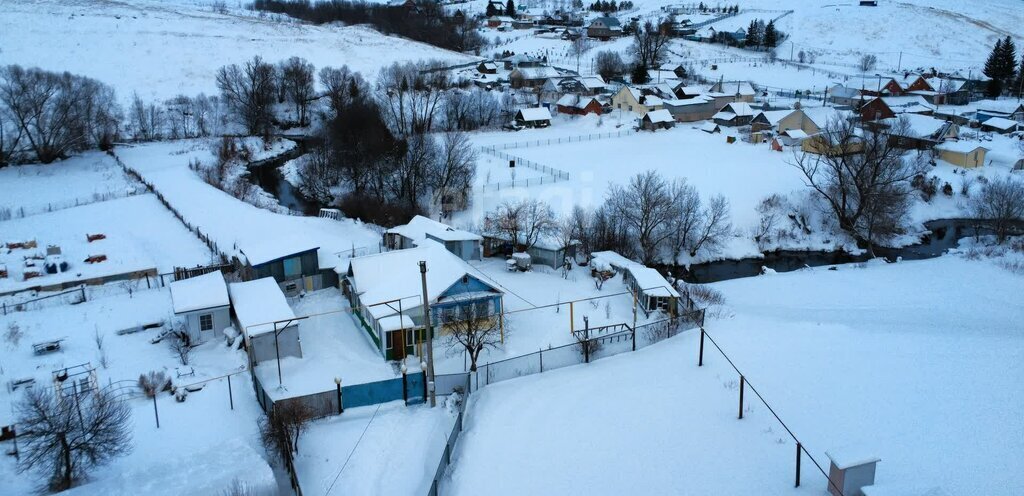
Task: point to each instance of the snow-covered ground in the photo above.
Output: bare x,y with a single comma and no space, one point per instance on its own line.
236,226
884,356
385,449
87,178
140,234
176,47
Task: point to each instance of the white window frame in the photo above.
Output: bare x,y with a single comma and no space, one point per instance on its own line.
203,328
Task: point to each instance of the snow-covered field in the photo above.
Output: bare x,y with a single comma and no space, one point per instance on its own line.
176,47
140,234
87,178
236,226
873,356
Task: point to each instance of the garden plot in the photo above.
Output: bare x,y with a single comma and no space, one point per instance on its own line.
232,224
138,234
385,449
942,378
87,178
333,346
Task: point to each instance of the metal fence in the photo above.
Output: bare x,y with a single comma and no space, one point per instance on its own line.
446,385
410,387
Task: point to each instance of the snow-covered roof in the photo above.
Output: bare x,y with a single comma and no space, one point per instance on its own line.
773,116
1001,123
821,116
593,82
274,247
677,102
1000,106
651,281
258,304
709,127
396,322
742,88
419,227
741,109
691,90
659,116
535,114
652,101
489,65
199,293
950,85
846,457
960,146
605,260
570,100
918,125
541,72
796,133
725,116
912,103
844,91
395,275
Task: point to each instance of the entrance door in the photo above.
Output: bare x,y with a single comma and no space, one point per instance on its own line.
397,340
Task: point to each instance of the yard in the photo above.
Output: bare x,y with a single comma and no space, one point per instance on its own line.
653,422
87,178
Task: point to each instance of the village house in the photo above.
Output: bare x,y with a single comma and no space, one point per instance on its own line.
202,303
999,125
533,117
463,244
880,108
962,153
604,28
734,114
548,250
844,95
487,67
532,77
768,120
918,132
499,21
1007,109
948,91
631,99
578,105
657,119
386,296
268,325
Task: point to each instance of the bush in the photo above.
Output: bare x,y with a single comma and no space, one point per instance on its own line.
153,382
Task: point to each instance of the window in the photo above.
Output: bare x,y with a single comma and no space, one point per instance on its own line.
387,340
292,267
206,322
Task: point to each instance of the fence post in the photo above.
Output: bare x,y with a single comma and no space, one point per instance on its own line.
83,294
405,387
156,413
341,405
742,380
700,358
231,396
541,353
424,385
633,333
798,448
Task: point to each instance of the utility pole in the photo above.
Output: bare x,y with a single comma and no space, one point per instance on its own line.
430,334
791,51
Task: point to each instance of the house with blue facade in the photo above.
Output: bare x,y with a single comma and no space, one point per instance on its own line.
386,295
294,264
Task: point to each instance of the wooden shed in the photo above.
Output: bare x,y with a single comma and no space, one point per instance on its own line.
962,153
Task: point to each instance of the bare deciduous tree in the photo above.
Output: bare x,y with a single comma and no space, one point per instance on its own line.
452,174
181,346
867,63
609,64
1000,205
281,429
522,222
248,91
715,225
317,175
473,328
297,85
863,180
649,43
64,437
645,205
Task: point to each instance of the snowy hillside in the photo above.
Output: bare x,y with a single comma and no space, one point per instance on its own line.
177,48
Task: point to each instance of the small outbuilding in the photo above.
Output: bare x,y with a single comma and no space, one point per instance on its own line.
268,325
999,125
203,303
658,119
533,117
962,153
462,243
653,292
487,68
850,471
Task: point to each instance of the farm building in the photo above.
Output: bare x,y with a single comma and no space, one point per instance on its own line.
999,125
888,107
267,323
1007,109
658,119
962,153
463,244
741,90
734,114
919,132
690,110
295,266
203,303
546,251
651,290
578,105
487,68
385,291
533,117
844,95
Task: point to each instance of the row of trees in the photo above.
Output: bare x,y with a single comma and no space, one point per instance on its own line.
728,9
607,7
650,218
1006,74
509,10
761,35
427,22
46,116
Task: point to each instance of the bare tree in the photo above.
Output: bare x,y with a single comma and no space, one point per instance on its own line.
576,49
539,222
867,63
153,382
686,218
1000,205
853,172
715,225
248,91
410,95
297,85
645,205
649,43
452,174
522,222
317,175
472,328
609,64
281,429
181,346
64,437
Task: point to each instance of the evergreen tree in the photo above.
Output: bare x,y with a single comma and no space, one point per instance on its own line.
1020,78
639,74
993,70
754,34
1008,62
510,9
491,11
771,37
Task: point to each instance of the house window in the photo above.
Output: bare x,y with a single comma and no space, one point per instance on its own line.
292,267
206,322
388,341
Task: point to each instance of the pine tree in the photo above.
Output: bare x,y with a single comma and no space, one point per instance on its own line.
1008,62
491,11
754,33
993,71
510,9
771,37
1020,77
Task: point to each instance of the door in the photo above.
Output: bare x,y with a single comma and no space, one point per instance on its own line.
396,342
